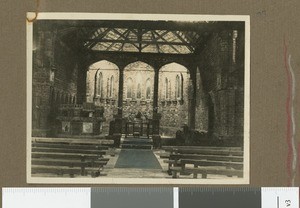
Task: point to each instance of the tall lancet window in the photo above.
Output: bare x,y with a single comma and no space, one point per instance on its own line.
138,91
166,88
129,88
234,37
148,89
177,87
111,87
100,84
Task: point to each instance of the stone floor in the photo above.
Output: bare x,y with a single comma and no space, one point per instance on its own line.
111,172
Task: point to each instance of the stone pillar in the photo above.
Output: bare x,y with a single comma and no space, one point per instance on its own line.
121,88
81,84
192,99
155,91
117,123
156,116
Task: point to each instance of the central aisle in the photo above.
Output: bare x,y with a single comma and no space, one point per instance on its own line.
137,158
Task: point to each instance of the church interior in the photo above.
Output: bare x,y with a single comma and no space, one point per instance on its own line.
114,98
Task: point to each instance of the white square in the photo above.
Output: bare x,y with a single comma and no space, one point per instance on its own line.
46,197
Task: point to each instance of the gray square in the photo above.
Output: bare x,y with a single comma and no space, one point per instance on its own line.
132,197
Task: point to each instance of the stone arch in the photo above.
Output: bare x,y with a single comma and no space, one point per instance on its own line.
142,63
173,102
173,62
96,84
139,72
141,100
177,74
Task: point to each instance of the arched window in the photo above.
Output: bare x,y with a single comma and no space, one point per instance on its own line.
107,88
129,88
178,86
166,88
111,87
100,84
138,91
148,89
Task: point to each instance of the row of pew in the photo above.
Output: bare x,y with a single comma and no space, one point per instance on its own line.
68,158
194,160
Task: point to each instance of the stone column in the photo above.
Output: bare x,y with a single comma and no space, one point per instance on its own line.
156,116
117,123
121,88
81,84
155,92
192,99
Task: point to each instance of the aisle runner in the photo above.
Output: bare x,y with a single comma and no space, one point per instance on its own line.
136,158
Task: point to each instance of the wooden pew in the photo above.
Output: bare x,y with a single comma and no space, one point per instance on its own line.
63,170
106,142
205,160
81,157
204,171
70,163
72,146
206,157
202,150
61,166
62,157
76,151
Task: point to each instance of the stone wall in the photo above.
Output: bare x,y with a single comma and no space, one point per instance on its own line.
54,79
201,118
139,77
173,109
102,96
222,85
174,106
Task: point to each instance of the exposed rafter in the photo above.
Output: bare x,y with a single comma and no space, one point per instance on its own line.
157,47
92,44
184,41
138,36
122,35
171,44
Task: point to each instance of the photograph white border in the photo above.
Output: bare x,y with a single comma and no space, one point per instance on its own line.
150,17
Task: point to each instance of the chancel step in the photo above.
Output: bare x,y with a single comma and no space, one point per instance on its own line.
136,143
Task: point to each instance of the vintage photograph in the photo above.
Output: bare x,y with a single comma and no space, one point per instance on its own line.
138,99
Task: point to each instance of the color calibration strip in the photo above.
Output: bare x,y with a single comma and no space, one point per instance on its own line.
150,197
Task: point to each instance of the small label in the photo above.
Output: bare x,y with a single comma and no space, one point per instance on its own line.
46,197
280,197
